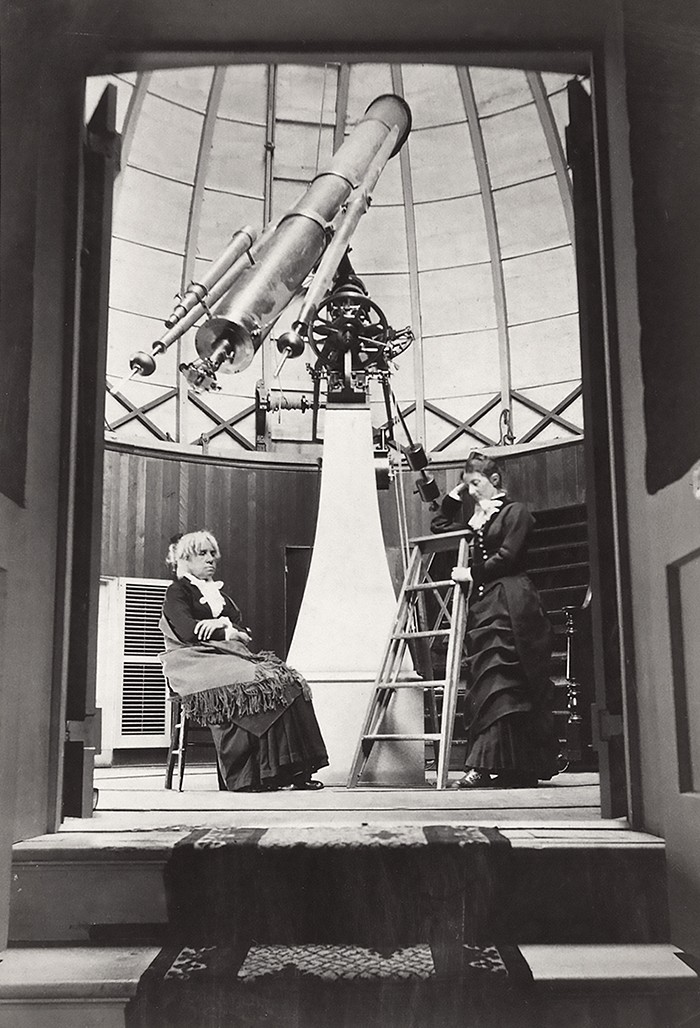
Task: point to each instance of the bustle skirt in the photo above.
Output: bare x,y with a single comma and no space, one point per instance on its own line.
508,714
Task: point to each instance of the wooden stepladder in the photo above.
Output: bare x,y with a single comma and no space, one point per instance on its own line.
428,609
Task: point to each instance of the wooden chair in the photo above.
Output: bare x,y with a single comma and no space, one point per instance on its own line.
183,734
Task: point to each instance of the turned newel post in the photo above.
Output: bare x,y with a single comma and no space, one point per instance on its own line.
574,724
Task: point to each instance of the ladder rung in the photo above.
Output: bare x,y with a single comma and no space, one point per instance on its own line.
433,737
413,683
421,635
429,585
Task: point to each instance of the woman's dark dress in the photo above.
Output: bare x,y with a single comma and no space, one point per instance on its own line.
267,749
508,641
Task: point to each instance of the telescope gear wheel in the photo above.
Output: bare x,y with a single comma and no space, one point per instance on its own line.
347,320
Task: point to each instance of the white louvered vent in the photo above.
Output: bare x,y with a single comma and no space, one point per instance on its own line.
143,699
144,691
144,602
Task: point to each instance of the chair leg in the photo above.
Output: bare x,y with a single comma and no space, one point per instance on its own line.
175,719
220,778
181,747
219,774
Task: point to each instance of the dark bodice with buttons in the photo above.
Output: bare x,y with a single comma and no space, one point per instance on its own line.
500,545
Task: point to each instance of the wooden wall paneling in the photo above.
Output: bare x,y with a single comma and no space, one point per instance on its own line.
226,479
196,518
110,505
254,584
154,511
537,493
280,491
130,513
184,495
557,479
240,543
168,519
140,504
122,517
581,473
108,489
257,511
119,484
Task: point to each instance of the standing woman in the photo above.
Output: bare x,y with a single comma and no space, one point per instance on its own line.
512,739
259,710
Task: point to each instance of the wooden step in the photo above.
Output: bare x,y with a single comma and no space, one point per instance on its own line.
575,532
574,512
81,887
557,553
556,599
586,968
70,987
561,576
645,986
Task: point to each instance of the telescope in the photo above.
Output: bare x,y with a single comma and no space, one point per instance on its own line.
255,279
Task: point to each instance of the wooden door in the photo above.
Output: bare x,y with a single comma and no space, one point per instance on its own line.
607,710
84,460
297,560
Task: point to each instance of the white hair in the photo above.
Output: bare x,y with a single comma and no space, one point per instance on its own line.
188,545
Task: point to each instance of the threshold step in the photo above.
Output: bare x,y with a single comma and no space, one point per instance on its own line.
73,888
66,987
648,966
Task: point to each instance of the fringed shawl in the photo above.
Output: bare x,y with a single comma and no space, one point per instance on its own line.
223,682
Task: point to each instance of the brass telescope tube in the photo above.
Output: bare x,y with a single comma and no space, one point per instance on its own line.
284,255
198,297
292,343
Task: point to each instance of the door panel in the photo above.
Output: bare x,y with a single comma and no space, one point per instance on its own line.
607,719
84,501
683,825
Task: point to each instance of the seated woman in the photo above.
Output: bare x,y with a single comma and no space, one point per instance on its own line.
509,720
259,710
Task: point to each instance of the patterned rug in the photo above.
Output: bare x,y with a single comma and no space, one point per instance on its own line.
322,986
373,886
352,926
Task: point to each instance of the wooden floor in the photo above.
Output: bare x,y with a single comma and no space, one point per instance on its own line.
134,798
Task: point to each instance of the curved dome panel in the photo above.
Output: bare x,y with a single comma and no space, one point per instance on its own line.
468,240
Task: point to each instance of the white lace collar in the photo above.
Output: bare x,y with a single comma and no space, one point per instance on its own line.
485,510
211,592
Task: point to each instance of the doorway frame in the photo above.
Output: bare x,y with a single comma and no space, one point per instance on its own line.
536,59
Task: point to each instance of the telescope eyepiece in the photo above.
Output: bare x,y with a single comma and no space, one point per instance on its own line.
291,343
142,363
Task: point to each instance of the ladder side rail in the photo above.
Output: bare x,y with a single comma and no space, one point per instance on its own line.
362,751
402,614
432,588
426,668
453,662
378,704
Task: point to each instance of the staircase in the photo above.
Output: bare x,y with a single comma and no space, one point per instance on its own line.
559,566
540,924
